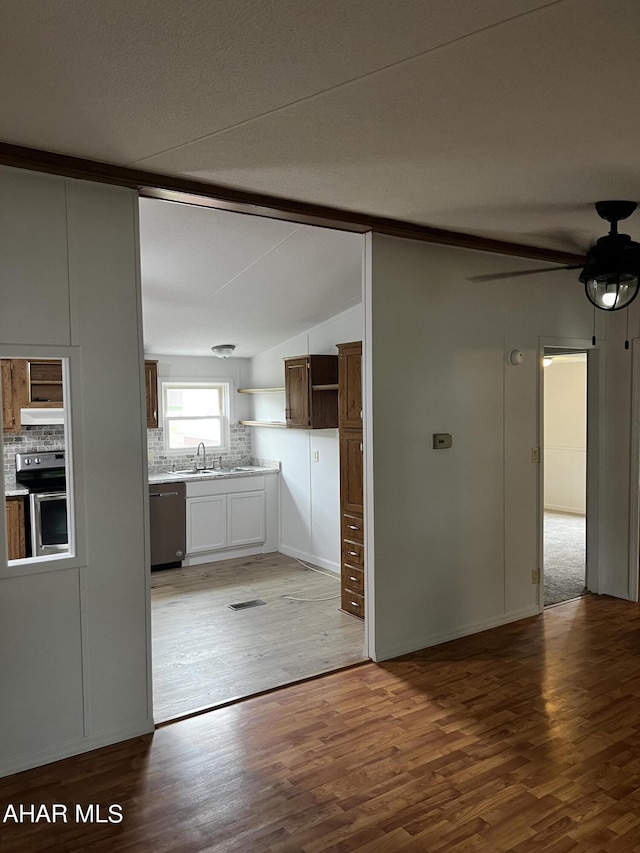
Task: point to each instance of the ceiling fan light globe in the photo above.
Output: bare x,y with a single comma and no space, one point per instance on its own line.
612,292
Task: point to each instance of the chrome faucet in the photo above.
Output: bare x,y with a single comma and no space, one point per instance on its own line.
204,456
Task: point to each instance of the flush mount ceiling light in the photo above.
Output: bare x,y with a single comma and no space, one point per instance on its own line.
223,350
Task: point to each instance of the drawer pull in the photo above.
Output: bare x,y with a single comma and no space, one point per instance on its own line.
351,578
353,553
353,527
354,604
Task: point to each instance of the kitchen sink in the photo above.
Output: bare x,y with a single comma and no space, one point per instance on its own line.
191,472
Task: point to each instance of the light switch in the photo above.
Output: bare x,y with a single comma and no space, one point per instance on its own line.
316,455
442,440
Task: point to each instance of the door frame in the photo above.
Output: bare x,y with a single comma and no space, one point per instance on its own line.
634,469
594,474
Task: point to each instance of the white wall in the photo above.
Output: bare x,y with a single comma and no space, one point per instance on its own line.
309,491
565,434
455,534
209,368
75,633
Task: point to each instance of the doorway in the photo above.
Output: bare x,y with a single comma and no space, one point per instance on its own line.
256,602
565,474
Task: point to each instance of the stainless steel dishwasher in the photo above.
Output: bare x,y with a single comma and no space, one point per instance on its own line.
167,512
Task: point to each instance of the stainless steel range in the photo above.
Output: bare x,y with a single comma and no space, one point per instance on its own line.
43,473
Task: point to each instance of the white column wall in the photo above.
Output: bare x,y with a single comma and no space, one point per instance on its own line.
74,666
455,534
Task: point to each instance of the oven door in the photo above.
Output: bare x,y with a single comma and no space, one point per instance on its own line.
48,523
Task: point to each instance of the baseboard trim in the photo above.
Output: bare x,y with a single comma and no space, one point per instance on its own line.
329,565
617,593
218,556
71,748
428,640
569,510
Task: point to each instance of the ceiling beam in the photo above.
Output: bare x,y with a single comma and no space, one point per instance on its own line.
187,191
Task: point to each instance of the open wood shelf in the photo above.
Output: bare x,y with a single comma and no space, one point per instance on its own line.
259,390
278,424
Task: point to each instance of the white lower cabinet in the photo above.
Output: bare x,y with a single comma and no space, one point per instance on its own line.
206,523
225,514
245,518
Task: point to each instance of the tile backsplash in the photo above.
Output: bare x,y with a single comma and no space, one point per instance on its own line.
31,438
239,452
51,437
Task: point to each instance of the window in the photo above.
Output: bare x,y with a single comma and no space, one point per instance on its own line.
195,412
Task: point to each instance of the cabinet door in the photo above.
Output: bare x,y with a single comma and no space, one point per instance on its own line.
350,382
206,523
351,490
151,388
13,392
246,513
16,548
296,383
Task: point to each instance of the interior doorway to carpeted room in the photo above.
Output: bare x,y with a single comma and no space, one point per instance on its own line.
565,467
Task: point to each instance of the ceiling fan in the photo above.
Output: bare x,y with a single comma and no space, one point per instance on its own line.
611,272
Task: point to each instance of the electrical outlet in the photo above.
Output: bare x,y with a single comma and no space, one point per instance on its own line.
535,576
535,454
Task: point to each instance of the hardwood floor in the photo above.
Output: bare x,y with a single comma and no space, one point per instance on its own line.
205,654
522,739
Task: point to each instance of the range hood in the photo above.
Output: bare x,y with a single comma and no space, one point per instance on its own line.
41,417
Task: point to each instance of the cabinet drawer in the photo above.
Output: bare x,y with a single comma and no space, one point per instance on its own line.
352,527
353,580
353,553
353,603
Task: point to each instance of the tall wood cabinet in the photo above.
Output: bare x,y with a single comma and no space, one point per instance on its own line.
351,477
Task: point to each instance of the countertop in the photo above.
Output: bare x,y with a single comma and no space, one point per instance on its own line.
13,490
246,471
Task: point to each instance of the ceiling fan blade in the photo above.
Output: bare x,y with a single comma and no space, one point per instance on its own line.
518,273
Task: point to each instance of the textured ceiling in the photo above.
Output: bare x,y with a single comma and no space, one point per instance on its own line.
210,277
503,118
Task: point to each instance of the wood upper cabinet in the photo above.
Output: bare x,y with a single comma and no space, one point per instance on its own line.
16,543
29,383
350,382
44,388
151,389
14,394
311,391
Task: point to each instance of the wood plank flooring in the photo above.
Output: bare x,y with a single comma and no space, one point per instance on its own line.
522,739
205,654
